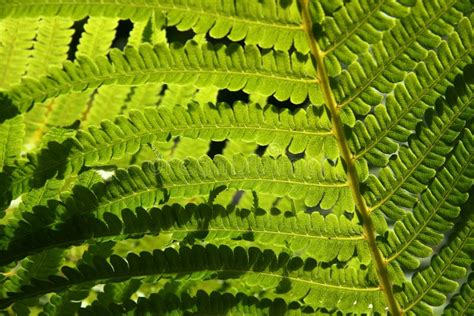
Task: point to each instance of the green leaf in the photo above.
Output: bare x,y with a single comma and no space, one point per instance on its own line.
335,237
266,23
309,282
249,157
240,122
231,67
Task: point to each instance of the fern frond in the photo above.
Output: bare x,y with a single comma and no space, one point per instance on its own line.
61,111
11,138
267,23
66,109
463,302
336,178
36,123
68,302
144,96
40,196
405,177
410,42
16,40
39,266
116,293
438,206
50,46
232,67
393,122
150,31
63,304
99,32
53,34
26,213
106,104
432,284
348,289
35,171
317,183
177,94
302,131
353,26
309,235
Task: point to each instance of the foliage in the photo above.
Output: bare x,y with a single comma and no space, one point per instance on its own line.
236,157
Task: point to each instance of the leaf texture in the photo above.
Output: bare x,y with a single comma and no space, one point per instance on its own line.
225,262
232,67
438,206
251,157
462,303
15,39
235,20
435,281
292,233
303,130
415,165
11,137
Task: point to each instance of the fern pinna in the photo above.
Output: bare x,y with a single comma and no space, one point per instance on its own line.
236,157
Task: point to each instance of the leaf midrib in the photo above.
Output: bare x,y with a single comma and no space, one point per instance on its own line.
98,280
347,156
63,244
218,182
117,75
80,153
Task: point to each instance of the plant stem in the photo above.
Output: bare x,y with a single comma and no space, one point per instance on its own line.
347,156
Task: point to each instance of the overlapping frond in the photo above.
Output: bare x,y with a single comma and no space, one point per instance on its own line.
40,265
16,41
143,96
11,138
99,32
431,285
398,184
259,157
50,46
267,23
35,267
308,235
276,274
304,130
436,209
107,104
232,67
